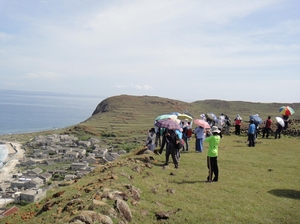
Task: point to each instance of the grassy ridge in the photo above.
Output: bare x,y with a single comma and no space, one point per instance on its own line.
130,117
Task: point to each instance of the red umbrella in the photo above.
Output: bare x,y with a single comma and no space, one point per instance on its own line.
168,123
201,123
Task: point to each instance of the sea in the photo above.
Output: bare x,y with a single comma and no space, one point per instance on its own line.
29,111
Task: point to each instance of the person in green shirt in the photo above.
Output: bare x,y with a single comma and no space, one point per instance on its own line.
212,154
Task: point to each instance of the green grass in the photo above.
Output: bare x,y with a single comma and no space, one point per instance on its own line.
256,185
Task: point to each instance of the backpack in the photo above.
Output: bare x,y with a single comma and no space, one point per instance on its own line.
189,133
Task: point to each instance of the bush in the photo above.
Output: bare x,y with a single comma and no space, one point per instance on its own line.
23,203
106,134
128,147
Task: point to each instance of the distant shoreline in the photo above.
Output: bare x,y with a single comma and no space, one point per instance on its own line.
24,113
15,154
11,152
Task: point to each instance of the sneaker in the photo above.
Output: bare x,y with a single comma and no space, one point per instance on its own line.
166,164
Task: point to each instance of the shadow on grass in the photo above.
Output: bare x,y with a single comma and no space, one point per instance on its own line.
190,182
286,193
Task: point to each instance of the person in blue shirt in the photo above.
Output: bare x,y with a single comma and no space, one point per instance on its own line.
199,132
251,133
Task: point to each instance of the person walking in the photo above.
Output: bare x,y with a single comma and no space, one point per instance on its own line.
186,136
220,125
251,133
286,120
212,154
172,148
278,130
238,121
157,139
199,132
164,132
227,124
267,128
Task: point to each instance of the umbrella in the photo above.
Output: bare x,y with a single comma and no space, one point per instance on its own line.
177,120
203,116
280,121
209,117
222,119
201,123
286,110
238,117
187,113
166,116
256,118
175,113
184,116
168,123
214,117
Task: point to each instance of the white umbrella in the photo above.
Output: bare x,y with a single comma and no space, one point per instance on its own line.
280,121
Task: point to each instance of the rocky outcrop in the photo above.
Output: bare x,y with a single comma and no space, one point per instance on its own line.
89,217
123,209
102,107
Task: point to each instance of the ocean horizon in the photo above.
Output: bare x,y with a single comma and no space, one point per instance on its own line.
27,112
24,111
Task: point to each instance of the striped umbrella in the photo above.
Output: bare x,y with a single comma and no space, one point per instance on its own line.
286,110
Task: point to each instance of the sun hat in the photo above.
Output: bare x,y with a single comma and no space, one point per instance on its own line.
215,129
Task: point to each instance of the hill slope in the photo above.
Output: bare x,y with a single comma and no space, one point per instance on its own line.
260,185
126,119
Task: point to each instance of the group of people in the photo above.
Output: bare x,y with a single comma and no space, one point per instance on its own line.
176,140
253,127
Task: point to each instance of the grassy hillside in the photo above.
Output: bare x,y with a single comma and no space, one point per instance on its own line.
256,185
126,119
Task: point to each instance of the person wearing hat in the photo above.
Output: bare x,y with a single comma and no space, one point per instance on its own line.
212,154
251,133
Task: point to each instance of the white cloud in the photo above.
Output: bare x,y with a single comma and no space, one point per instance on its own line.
5,36
142,87
131,86
94,45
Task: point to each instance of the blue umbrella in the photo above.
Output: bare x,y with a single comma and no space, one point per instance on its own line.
175,113
256,118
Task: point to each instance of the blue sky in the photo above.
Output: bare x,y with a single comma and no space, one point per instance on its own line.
179,49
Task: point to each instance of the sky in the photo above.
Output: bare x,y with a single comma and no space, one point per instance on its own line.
187,50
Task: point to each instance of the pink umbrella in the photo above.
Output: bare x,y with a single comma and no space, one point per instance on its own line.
201,123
